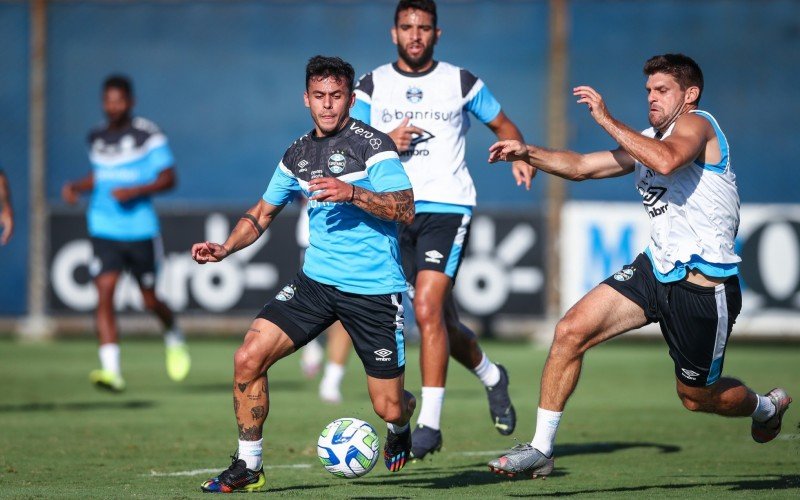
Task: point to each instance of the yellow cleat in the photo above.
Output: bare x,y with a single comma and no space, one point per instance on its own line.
178,362
103,379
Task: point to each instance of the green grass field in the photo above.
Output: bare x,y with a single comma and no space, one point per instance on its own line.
625,433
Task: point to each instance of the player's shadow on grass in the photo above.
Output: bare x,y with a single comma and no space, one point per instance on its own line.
777,482
472,475
77,406
565,450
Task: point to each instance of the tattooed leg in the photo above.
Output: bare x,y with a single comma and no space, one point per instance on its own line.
251,406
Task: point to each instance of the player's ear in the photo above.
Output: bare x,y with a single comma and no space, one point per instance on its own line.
692,95
305,99
394,34
438,34
352,99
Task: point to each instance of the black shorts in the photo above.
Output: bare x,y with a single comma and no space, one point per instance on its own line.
695,320
305,307
140,257
434,242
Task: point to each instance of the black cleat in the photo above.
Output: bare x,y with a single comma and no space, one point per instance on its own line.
425,440
396,450
504,417
236,478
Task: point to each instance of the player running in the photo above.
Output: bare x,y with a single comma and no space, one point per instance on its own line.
423,105
131,161
687,277
357,192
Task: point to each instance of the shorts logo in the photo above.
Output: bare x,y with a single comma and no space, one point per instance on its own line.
286,293
433,256
375,143
414,95
383,355
625,274
148,280
689,374
336,163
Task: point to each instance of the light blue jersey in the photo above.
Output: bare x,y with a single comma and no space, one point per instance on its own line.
348,248
124,158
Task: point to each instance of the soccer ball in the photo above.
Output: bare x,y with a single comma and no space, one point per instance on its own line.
348,447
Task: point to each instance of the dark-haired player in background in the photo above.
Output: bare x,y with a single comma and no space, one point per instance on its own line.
687,277
424,106
131,161
357,192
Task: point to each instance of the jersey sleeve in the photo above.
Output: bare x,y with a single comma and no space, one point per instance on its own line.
282,187
479,100
386,173
363,106
160,156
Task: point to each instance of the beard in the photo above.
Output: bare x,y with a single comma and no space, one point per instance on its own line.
418,62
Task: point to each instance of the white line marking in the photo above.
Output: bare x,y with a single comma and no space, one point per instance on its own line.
197,472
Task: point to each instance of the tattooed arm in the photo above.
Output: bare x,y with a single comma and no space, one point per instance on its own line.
395,206
252,225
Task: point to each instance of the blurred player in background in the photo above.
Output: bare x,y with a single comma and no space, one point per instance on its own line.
423,105
6,211
131,161
687,277
358,192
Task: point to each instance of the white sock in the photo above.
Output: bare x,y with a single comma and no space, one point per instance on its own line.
546,427
765,409
250,452
109,358
174,337
396,429
332,378
487,371
431,412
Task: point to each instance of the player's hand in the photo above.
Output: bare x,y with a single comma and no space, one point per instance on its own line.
523,173
69,194
404,134
7,222
508,150
125,194
208,252
589,96
330,189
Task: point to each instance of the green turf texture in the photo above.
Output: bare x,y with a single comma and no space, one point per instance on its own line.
625,433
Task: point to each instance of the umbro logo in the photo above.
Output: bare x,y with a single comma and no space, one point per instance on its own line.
433,256
301,165
383,355
689,374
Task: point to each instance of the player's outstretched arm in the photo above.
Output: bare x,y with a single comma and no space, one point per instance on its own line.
71,191
565,164
396,206
684,144
165,181
249,228
505,129
6,212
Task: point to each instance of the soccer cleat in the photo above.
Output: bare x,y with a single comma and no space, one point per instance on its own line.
523,459
178,362
764,432
109,381
425,440
502,411
236,478
396,450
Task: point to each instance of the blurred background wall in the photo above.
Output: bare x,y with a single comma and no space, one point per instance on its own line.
224,80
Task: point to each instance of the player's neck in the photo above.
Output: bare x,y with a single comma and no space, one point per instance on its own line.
403,67
120,124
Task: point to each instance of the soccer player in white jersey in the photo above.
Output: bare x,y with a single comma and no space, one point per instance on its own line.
687,277
424,105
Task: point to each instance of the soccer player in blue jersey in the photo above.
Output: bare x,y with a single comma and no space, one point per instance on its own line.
131,161
424,104
357,193
6,212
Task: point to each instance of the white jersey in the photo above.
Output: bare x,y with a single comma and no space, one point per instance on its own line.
694,213
436,101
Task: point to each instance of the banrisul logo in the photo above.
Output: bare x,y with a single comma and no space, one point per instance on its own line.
337,162
414,95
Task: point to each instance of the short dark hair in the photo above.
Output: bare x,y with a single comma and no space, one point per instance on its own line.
683,68
120,82
428,6
323,67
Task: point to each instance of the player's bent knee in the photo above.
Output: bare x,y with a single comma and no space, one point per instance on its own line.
568,339
427,313
247,364
389,411
697,399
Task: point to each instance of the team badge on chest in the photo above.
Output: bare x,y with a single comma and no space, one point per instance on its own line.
337,162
